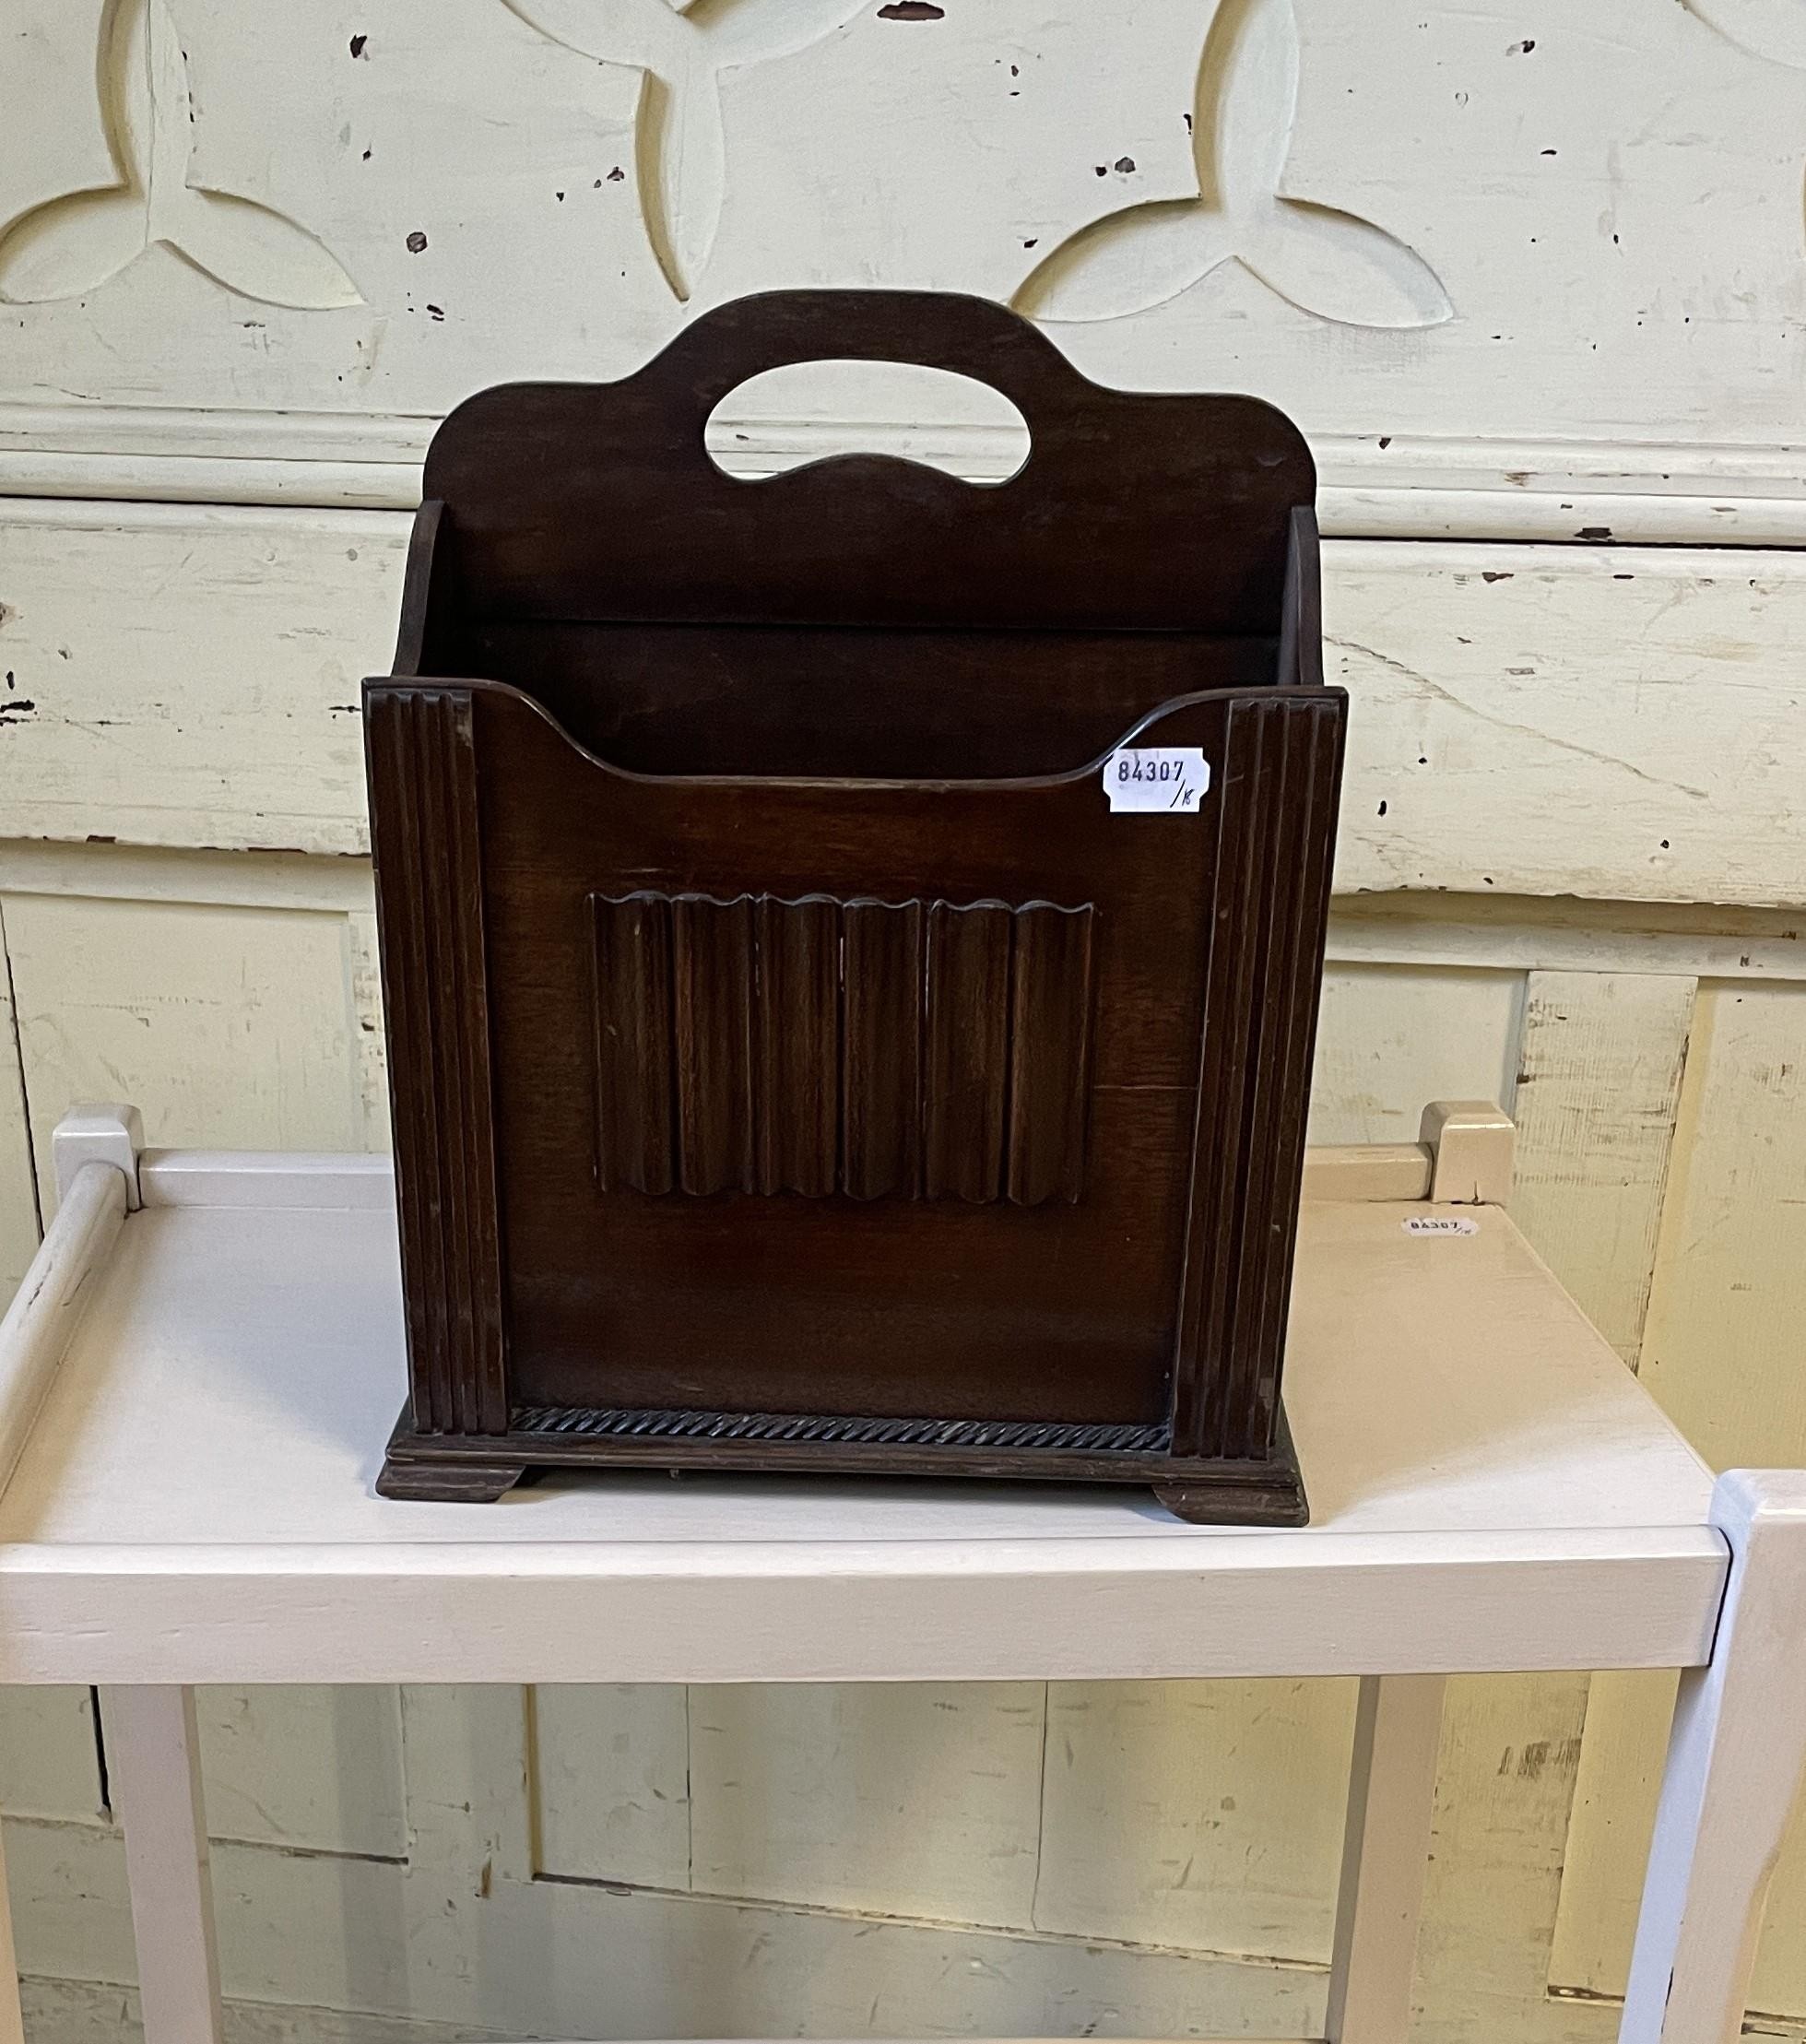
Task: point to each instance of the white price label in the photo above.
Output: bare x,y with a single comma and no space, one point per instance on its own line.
1172,779
1441,1223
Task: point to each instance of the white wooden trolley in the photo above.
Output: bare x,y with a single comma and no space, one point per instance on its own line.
198,1374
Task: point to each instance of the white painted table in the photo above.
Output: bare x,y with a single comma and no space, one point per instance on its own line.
195,1391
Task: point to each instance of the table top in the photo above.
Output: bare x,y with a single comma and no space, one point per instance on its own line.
1490,1488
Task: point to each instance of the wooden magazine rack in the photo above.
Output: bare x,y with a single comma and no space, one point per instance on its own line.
796,1062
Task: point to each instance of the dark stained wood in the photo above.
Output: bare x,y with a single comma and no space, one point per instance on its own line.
793,700
1283,759
447,1479
1104,528
1235,1493
966,1053
1050,1053
422,767
426,590
798,1045
636,1108
711,1015
1300,609
1242,1491
720,1044
881,1059
864,1094
1299,908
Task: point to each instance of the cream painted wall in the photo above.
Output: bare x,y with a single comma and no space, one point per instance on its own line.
1527,276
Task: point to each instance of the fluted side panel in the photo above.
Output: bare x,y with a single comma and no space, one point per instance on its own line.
798,1103
1276,838
873,1049
422,765
633,1042
1050,1053
711,1017
965,1084
881,1049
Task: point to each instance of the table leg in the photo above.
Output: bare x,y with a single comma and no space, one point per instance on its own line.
153,1761
1385,1855
1734,1763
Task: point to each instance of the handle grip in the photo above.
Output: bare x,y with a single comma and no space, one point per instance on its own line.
970,337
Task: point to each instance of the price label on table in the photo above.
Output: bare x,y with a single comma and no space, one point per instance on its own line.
1169,779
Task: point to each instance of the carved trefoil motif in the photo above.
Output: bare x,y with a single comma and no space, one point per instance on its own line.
681,50
1320,258
875,1049
69,245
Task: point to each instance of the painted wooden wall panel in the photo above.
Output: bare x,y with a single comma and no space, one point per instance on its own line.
76,2012
1597,1091
188,676
315,1769
1597,1097
1392,1036
19,1227
223,1025
611,1782
309,1927
1614,1813
1488,735
918,1799
644,1964
191,679
1202,1815
489,1944
1721,1351
1616,1786
1598,1078
49,1763
1385,217
1510,1745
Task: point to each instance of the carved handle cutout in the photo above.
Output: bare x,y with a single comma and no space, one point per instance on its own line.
869,408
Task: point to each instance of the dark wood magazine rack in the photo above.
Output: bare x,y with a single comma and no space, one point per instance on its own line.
795,1063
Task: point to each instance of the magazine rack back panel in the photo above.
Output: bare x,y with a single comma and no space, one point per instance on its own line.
796,1062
